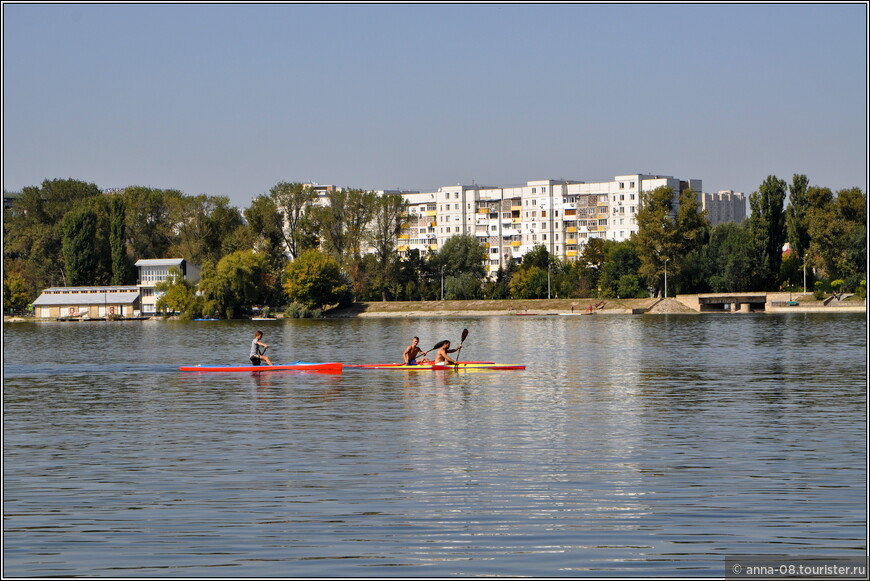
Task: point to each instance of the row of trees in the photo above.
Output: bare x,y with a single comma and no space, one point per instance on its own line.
285,248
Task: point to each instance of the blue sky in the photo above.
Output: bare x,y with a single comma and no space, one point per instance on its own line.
230,99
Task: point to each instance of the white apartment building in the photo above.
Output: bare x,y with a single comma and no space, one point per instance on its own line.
510,221
724,206
562,215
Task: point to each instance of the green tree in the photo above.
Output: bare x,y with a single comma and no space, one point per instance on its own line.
590,264
499,288
292,201
767,231
121,267
619,272
78,248
415,276
15,295
388,215
462,258
149,226
461,253
341,223
529,283
657,238
204,225
838,234
315,280
731,257
235,284
264,225
33,231
178,295
796,219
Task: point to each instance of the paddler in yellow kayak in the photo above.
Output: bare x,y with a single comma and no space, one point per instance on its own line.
412,352
443,349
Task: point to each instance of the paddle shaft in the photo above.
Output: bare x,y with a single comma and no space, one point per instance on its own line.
461,341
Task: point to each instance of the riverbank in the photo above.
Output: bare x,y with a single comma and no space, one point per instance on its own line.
541,307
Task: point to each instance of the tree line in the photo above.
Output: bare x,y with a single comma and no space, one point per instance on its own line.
285,250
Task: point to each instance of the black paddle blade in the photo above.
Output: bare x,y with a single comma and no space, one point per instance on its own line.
464,335
438,345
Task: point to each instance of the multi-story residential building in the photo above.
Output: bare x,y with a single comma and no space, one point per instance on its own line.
561,215
510,221
724,206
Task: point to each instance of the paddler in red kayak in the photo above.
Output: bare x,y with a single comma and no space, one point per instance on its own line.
443,349
412,352
256,354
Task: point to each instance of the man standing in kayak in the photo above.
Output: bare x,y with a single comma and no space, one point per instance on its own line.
256,354
443,349
412,352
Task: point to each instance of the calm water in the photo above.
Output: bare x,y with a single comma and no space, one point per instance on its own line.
632,445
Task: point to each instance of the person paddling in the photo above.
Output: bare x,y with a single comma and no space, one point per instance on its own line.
412,352
256,354
443,349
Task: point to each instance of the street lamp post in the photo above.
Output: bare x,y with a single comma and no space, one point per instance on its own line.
442,283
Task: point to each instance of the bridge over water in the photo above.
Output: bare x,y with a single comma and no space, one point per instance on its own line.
760,302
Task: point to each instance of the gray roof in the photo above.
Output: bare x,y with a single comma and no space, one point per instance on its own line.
87,289
159,261
86,298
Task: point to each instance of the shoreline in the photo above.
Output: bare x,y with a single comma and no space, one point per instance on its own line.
566,307
549,307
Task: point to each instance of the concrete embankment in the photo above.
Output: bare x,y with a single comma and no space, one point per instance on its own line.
682,304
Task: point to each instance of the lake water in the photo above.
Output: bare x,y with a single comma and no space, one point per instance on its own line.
630,446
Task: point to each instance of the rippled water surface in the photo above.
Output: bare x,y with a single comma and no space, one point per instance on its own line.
631,445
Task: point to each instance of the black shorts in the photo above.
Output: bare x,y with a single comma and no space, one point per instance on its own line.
255,359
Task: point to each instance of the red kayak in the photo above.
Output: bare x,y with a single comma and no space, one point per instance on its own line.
298,366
